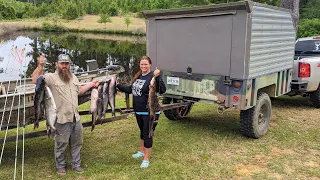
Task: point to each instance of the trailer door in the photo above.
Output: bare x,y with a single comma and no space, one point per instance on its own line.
200,42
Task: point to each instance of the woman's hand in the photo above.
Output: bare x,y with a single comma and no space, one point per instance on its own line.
156,72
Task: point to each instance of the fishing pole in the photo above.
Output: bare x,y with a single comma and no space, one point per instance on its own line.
18,118
24,119
6,93
5,137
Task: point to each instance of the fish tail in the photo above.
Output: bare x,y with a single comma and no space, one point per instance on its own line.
93,121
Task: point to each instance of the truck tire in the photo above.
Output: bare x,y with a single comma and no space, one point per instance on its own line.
254,122
315,98
177,113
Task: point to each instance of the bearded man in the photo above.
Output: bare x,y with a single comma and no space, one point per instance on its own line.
65,89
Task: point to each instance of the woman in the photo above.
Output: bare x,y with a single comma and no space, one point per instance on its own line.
140,90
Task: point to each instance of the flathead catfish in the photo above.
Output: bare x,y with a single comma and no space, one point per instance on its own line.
153,104
50,112
93,105
39,100
112,95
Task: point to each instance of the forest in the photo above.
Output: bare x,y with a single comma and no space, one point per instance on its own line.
73,9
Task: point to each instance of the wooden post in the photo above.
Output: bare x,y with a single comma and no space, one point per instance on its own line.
127,101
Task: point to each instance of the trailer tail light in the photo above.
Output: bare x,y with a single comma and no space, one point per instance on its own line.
304,69
236,84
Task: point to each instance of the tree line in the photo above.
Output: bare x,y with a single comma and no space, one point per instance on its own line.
72,9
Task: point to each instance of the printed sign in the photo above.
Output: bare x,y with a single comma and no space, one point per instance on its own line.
173,81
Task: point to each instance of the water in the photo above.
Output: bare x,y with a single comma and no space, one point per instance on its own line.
15,62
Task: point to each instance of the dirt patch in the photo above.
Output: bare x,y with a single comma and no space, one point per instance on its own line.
275,176
248,169
261,159
311,164
276,152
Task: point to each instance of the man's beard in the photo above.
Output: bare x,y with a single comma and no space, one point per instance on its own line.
65,75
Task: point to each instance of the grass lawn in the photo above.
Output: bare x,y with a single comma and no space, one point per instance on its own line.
205,145
88,22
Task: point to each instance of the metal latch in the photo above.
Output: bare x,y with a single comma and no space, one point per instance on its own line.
227,81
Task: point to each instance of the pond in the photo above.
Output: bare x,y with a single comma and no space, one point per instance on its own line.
19,52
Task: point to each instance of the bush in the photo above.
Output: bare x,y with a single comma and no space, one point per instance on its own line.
127,21
113,11
104,18
72,11
308,27
52,27
7,11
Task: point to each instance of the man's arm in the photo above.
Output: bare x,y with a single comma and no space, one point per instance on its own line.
88,86
36,73
39,70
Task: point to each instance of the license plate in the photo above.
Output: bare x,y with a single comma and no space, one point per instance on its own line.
173,81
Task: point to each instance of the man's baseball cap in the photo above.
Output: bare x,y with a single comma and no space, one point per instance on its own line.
64,58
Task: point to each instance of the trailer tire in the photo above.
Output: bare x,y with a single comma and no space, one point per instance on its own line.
315,98
177,113
254,122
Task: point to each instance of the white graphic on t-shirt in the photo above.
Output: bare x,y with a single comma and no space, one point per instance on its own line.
137,86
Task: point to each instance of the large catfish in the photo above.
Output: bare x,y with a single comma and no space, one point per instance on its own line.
39,100
153,104
112,95
93,105
50,111
100,104
105,98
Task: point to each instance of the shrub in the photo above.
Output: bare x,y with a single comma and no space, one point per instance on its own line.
309,27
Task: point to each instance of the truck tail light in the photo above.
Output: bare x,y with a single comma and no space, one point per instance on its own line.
304,69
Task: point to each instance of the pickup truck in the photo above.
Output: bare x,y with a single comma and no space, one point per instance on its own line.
306,70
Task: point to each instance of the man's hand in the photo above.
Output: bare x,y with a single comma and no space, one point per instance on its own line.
156,72
39,70
41,60
95,83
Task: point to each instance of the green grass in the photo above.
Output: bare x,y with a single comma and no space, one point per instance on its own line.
205,145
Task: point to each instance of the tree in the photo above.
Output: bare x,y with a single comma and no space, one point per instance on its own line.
309,10
293,5
104,18
127,21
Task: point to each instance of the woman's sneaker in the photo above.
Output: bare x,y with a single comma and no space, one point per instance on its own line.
144,164
138,155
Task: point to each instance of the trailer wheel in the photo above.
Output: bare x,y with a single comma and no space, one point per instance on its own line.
315,98
177,113
254,122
